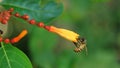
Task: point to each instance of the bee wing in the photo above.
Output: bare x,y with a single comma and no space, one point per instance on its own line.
86,50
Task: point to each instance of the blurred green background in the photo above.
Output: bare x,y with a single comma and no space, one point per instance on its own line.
96,20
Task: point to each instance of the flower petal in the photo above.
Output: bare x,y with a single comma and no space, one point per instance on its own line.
67,34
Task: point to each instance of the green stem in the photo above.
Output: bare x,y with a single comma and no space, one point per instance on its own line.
8,61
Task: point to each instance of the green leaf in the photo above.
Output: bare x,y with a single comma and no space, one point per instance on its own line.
42,44
11,57
35,8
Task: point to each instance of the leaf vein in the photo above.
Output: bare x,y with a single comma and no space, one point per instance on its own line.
8,61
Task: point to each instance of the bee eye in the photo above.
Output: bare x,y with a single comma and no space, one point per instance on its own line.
82,39
1,32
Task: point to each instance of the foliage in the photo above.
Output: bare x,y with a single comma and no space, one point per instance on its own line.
11,57
96,20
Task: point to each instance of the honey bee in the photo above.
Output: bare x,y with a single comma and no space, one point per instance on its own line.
80,45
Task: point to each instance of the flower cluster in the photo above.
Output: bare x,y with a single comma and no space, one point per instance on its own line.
5,16
80,43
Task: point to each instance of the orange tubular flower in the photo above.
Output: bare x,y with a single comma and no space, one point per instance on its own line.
67,34
80,43
19,37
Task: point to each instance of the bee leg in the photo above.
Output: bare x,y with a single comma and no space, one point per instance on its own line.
77,50
78,41
76,44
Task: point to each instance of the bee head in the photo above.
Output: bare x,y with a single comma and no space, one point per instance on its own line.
82,40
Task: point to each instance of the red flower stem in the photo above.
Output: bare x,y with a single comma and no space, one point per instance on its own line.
4,18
